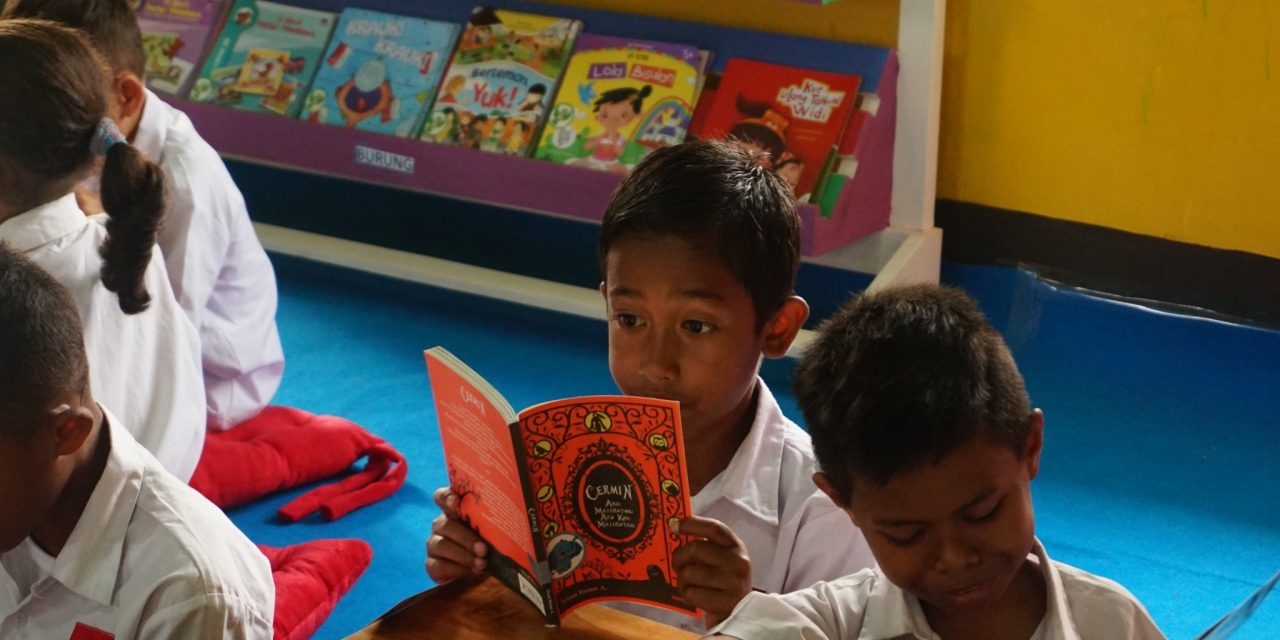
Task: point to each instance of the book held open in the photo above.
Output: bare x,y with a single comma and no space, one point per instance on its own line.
576,498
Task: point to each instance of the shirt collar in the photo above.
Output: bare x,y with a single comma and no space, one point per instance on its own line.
89,564
893,613
752,477
44,224
153,127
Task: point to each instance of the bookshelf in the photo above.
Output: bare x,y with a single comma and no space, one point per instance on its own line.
908,250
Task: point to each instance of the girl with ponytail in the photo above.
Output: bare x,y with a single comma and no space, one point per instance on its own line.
144,353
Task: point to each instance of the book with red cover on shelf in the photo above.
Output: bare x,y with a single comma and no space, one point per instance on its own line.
796,115
576,498
505,69
620,99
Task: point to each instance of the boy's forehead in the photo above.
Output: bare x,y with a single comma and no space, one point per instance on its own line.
646,264
962,477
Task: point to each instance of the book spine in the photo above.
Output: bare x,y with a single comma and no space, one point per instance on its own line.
541,571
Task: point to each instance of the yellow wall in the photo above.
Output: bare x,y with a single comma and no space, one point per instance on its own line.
1159,117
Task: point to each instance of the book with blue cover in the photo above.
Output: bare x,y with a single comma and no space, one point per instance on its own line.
265,57
380,72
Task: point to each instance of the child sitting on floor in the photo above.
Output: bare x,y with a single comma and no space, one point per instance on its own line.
54,126
218,270
97,540
699,249
926,437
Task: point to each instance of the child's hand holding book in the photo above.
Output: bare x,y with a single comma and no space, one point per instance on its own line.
454,550
713,568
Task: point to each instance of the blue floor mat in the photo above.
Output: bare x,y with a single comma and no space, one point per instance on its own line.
1161,430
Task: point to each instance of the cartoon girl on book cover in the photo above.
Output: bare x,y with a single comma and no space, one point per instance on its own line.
615,109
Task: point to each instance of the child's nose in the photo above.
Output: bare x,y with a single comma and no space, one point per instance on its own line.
954,554
659,361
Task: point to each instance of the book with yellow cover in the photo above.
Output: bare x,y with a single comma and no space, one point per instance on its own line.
620,99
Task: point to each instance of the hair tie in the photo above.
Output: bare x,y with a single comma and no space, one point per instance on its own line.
105,136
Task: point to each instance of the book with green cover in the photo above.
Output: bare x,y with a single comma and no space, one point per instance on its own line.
265,57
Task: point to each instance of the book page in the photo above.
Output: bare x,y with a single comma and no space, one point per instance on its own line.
475,429
609,478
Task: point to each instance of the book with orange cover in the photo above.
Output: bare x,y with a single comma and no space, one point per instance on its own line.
796,115
576,498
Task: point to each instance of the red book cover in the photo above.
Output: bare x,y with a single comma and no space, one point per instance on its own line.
575,497
796,115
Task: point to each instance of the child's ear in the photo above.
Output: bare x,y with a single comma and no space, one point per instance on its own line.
1035,443
128,97
780,331
824,483
73,427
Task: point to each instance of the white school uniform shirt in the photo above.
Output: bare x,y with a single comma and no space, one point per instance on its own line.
146,366
219,271
149,558
794,534
867,606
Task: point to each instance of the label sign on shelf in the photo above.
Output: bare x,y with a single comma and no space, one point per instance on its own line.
370,157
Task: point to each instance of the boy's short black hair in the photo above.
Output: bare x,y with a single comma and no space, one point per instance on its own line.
901,378
718,193
41,343
111,25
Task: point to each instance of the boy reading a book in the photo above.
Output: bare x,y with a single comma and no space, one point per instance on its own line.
699,249
926,437
220,274
97,540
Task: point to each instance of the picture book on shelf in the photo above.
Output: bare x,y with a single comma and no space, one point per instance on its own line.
620,99
796,115
503,72
380,72
265,57
175,35
576,498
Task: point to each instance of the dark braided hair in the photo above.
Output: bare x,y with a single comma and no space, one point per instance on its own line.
55,96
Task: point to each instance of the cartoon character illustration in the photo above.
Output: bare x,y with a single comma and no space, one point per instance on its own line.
562,115
313,106
476,132
533,98
263,71
763,129
789,166
443,125
367,93
564,554
479,37
615,109
449,92
548,48
492,140
518,135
